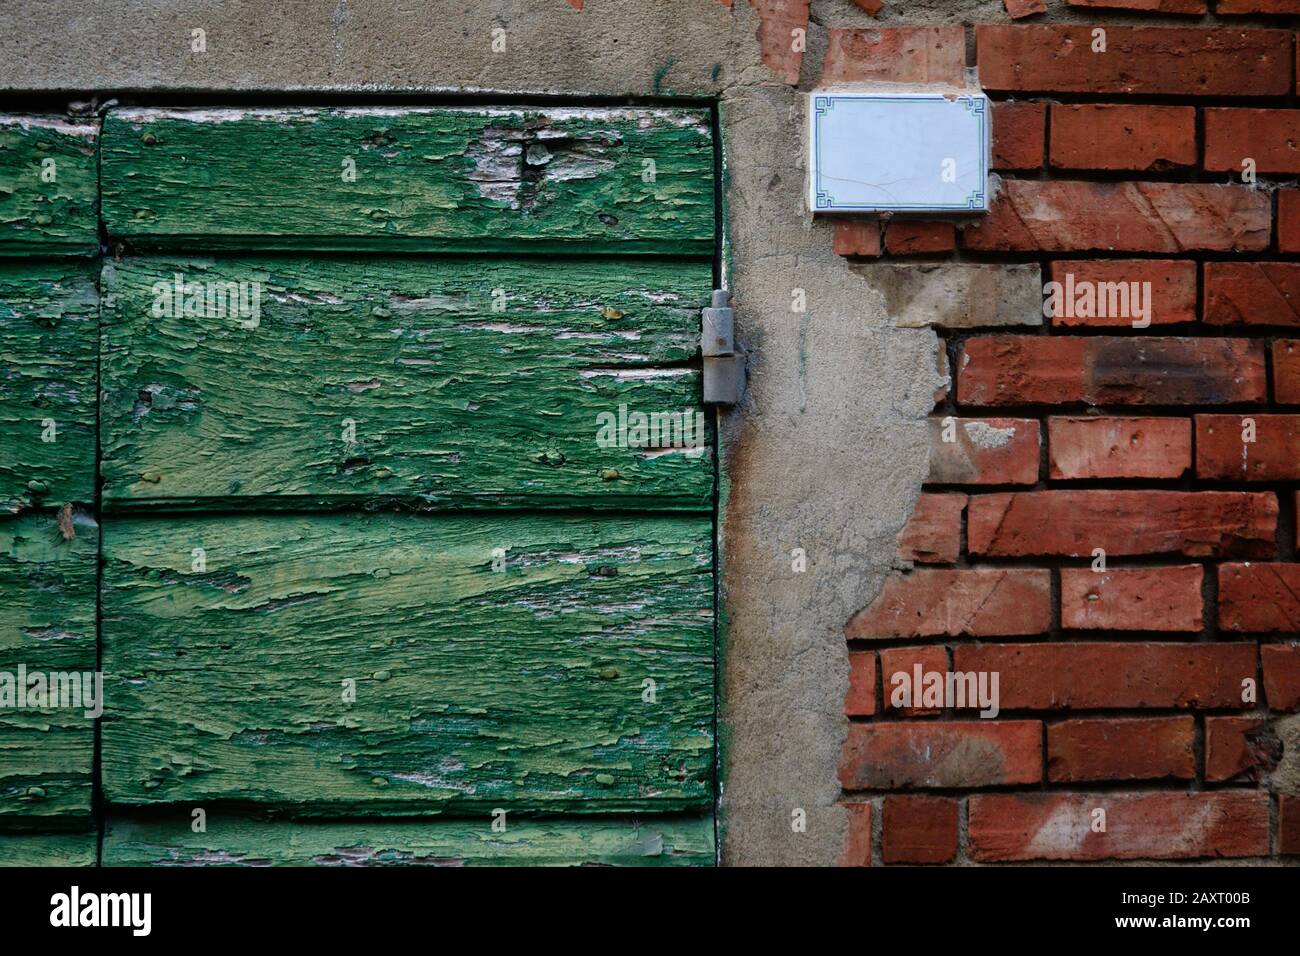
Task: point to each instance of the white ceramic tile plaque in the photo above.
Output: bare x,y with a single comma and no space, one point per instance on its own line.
898,152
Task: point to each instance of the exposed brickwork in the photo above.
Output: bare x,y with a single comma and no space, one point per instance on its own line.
919,829
1132,599
1144,748
1173,291
1118,447
933,535
906,238
984,451
1156,826
1115,136
1101,675
1019,134
986,602
1121,562
911,55
1139,60
942,754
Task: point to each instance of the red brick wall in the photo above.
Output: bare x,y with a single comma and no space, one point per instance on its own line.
1127,727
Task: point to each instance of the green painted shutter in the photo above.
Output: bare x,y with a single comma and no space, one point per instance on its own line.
391,477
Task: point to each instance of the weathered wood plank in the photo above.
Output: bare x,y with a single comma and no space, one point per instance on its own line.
49,340
49,186
47,623
454,399
48,849
475,688
239,841
465,179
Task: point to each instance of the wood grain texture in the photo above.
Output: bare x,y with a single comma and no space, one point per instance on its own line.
49,186
47,622
49,320
475,688
48,849
453,401
465,179
238,841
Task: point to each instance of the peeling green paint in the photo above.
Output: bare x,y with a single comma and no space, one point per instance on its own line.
49,186
450,400
459,180
47,623
235,841
522,688
48,849
49,317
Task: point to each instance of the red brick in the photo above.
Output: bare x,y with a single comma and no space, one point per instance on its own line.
911,55
1030,215
1198,524
898,671
933,533
860,700
984,451
1281,664
872,7
778,21
1194,7
1156,826
1019,135
1257,6
1270,137
977,602
1274,455
1288,825
1109,370
909,238
857,237
1019,9
1138,748
1093,675
919,829
1239,745
857,839
1141,60
941,754
1086,287
1252,293
1286,371
1108,447
1112,136
1288,218
1257,598
1132,599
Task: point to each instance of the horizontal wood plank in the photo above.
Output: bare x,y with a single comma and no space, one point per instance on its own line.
48,849
47,623
49,341
445,179
238,841
475,688
465,382
49,186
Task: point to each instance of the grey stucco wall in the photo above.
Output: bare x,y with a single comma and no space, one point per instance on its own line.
829,448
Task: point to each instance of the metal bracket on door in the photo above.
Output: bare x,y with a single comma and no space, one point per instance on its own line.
724,370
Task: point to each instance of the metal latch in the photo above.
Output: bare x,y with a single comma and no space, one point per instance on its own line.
724,370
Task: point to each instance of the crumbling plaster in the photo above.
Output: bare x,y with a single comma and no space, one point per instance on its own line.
829,448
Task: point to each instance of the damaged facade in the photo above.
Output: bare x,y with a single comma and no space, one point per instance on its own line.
926,461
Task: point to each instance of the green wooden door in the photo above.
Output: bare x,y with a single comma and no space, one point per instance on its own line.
404,486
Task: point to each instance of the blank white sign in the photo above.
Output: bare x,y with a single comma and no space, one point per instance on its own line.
898,152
